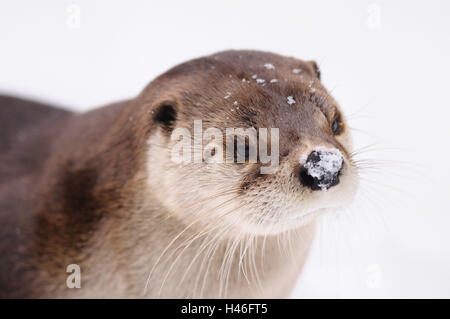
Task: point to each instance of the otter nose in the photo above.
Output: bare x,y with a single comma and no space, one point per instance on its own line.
321,169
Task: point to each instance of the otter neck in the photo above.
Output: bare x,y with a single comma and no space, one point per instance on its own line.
207,265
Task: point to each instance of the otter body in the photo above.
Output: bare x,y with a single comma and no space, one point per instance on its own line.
99,189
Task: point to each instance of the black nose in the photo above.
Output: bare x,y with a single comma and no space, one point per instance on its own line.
322,169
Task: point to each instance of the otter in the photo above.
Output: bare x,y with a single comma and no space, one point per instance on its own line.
101,191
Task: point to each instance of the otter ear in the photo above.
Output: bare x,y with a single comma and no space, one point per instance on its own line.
165,115
315,67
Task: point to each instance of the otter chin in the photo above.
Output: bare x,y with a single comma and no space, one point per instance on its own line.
196,188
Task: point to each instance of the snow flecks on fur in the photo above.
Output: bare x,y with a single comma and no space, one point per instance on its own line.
290,100
296,71
269,66
311,88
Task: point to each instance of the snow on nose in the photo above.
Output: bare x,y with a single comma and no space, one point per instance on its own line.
322,168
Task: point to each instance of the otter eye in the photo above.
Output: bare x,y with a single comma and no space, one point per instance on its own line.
336,126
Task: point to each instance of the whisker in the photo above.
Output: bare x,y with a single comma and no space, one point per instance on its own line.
190,241
226,192
170,245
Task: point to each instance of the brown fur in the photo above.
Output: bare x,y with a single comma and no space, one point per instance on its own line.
73,187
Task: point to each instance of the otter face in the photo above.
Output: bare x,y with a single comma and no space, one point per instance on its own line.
306,170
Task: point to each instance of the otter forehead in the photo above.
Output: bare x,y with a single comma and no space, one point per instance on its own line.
267,64
251,88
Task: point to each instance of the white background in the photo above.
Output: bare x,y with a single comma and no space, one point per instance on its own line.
386,62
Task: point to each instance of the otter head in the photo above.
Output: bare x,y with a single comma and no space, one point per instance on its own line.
247,142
